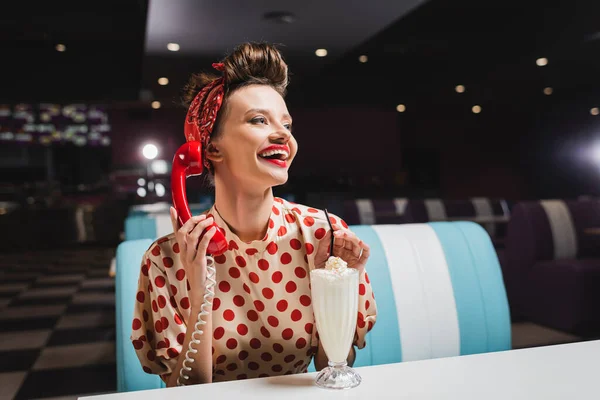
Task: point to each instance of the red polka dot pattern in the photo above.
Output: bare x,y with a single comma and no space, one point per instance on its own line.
239,301
255,344
287,333
282,305
320,233
218,333
296,315
267,293
137,324
240,261
224,286
228,315
291,287
242,329
272,248
259,305
159,281
180,275
286,258
305,300
263,264
177,319
300,272
263,323
277,277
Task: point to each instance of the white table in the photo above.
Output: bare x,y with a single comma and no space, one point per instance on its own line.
554,372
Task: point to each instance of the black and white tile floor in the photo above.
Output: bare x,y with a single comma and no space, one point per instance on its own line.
57,325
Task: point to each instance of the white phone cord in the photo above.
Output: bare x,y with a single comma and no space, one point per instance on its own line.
204,310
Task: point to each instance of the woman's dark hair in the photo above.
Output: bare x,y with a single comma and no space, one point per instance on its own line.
248,64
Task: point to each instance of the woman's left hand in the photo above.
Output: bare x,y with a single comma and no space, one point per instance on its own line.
346,246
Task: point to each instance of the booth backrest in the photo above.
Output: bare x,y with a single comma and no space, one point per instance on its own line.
438,287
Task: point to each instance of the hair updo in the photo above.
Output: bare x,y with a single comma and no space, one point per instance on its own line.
248,64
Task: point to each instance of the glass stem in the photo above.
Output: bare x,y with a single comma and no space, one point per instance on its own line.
337,364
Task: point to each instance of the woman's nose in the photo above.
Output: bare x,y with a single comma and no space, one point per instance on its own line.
281,134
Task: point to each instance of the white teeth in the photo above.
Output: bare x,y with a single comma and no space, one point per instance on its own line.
273,152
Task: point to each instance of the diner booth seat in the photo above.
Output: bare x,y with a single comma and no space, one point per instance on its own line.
142,224
552,264
438,288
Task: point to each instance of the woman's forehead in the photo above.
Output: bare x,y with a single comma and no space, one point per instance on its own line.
257,97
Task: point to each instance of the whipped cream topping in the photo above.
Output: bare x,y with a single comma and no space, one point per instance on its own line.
336,264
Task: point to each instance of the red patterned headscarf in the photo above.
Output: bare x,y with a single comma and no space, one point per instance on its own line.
202,114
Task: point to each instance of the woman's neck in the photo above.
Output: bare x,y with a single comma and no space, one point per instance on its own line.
246,213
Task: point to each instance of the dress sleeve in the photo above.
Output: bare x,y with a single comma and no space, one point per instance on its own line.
367,310
157,328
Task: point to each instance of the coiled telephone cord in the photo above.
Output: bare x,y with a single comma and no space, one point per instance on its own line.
204,311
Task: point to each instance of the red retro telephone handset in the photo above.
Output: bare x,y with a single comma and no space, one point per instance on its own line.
188,162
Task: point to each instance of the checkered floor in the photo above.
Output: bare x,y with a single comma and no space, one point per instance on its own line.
57,324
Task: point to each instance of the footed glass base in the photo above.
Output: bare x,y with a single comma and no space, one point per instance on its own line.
338,376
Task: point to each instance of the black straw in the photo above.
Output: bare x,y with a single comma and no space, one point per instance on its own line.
329,222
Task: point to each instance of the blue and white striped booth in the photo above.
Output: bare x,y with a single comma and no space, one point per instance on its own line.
149,223
438,287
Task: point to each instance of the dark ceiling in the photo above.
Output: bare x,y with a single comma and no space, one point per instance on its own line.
103,58
490,47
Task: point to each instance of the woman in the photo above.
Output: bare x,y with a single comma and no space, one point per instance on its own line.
261,321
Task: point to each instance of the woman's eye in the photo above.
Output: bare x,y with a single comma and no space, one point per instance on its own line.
288,127
259,120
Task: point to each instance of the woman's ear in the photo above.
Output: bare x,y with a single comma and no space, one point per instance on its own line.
213,153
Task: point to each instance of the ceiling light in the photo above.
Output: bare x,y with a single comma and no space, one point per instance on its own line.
173,47
321,52
476,109
163,81
541,61
61,47
363,59
400,108
156,105
595,111
548,91
459,89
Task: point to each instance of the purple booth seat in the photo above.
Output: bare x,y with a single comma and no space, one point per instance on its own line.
374,211
552,264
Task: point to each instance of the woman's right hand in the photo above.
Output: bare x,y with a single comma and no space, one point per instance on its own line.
192,252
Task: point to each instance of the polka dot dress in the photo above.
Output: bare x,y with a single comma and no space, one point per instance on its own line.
263,323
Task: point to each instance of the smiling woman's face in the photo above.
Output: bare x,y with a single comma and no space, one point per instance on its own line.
256,145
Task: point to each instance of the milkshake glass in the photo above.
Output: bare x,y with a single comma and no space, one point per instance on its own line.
335,304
